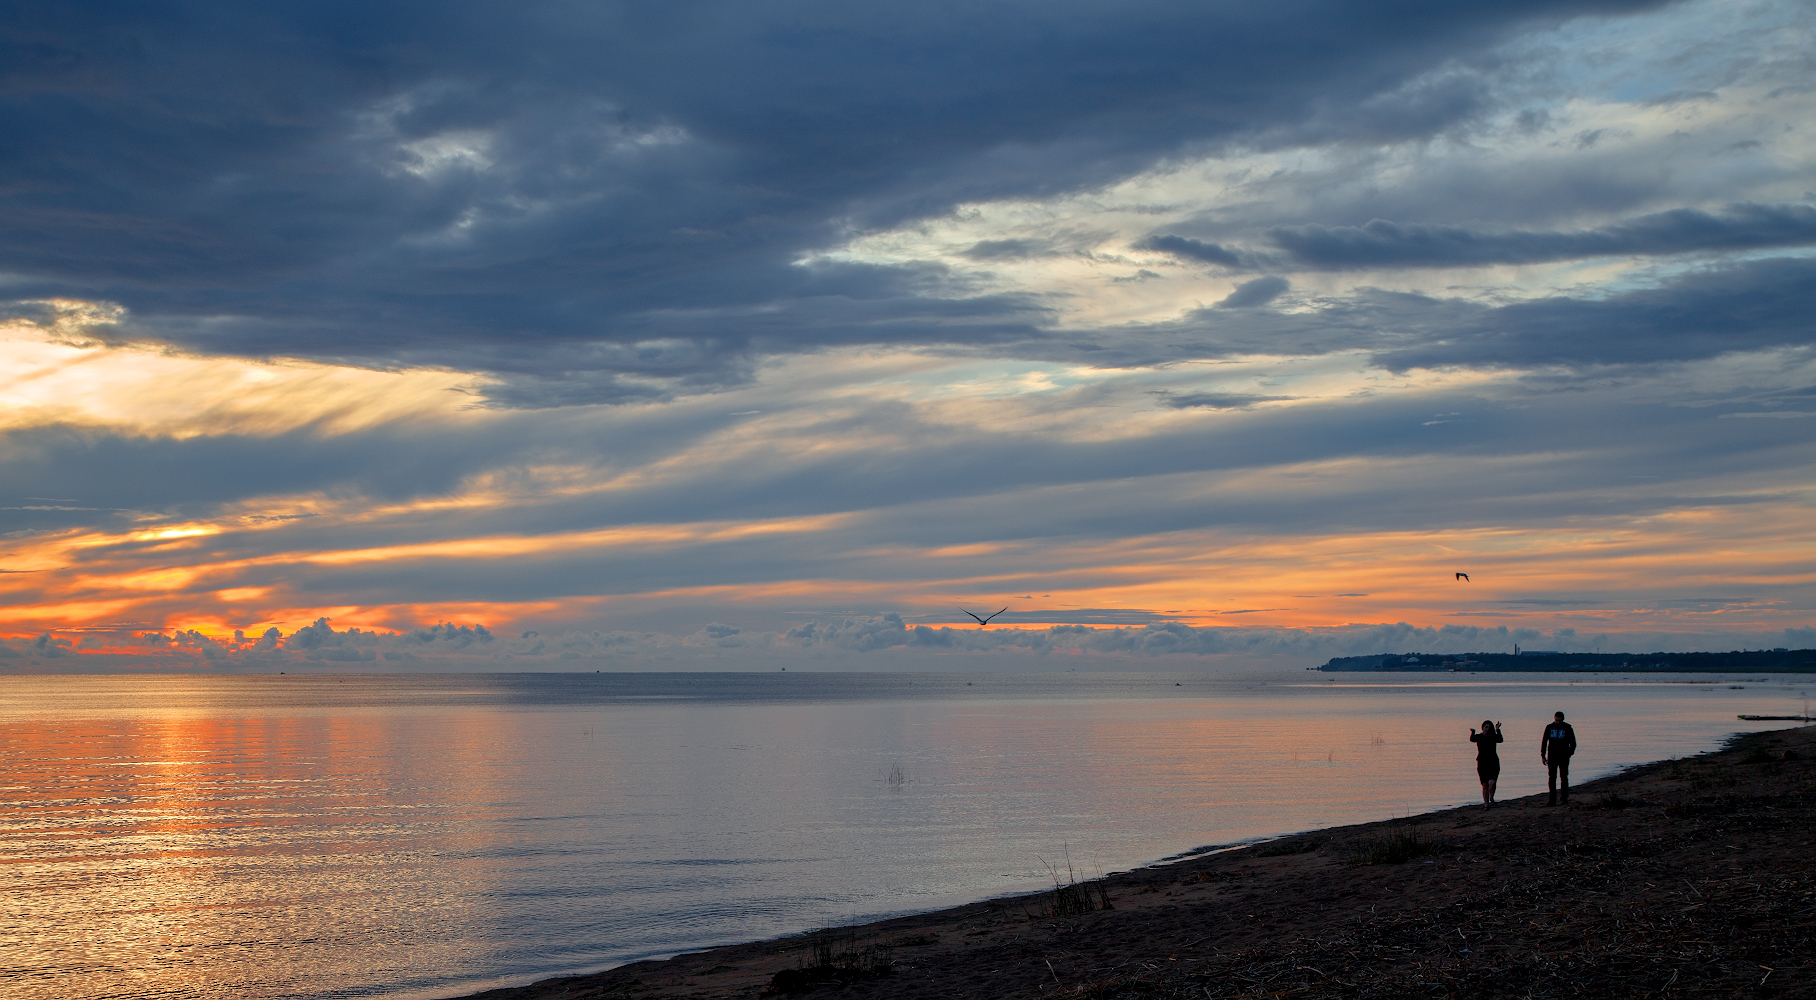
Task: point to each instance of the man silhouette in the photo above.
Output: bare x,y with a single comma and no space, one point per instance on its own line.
1555,748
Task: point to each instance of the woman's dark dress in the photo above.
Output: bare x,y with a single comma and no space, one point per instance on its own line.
1488,759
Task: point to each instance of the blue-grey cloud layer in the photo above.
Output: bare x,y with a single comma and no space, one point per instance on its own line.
604,202
623,204
1381,244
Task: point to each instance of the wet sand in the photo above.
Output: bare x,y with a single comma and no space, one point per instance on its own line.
1684,878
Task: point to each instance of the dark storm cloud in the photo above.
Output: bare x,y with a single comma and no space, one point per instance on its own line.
1381,244
1258,292
1214,400
463,181
1008,249
1676,97
1700,314
127,477
1753,306
1186,248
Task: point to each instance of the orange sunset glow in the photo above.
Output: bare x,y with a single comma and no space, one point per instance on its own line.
220,581
518,498
1177,380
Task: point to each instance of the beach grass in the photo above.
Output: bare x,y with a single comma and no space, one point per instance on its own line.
1395,846
1070,896
835,957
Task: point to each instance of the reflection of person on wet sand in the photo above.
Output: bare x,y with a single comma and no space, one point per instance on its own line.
1488,759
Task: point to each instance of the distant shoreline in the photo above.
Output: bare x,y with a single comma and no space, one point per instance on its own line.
1687,875
1773,661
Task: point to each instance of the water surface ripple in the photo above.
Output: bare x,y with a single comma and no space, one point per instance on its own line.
424,836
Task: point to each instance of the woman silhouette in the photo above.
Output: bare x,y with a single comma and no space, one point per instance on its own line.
1488,759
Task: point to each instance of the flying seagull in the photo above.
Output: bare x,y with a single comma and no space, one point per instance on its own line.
981,622
1463,577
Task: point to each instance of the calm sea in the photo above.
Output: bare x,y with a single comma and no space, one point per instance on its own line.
413,836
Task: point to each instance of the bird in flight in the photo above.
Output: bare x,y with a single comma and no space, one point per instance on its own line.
1463,577
981,622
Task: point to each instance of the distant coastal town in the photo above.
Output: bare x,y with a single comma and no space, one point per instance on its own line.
1779,661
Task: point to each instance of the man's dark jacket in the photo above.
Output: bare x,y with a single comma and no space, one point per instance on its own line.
1559,742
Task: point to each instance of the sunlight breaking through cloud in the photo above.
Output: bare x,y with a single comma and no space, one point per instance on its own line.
716,324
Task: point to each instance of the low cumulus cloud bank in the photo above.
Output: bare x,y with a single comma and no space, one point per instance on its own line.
315,644
875,642
1164,639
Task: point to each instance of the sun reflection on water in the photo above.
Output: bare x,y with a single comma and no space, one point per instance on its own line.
429,836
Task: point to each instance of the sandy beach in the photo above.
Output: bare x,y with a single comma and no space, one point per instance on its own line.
1692,877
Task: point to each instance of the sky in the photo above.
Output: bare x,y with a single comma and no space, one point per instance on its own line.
605,336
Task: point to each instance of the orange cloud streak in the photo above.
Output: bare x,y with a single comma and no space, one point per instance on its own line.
1613,575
